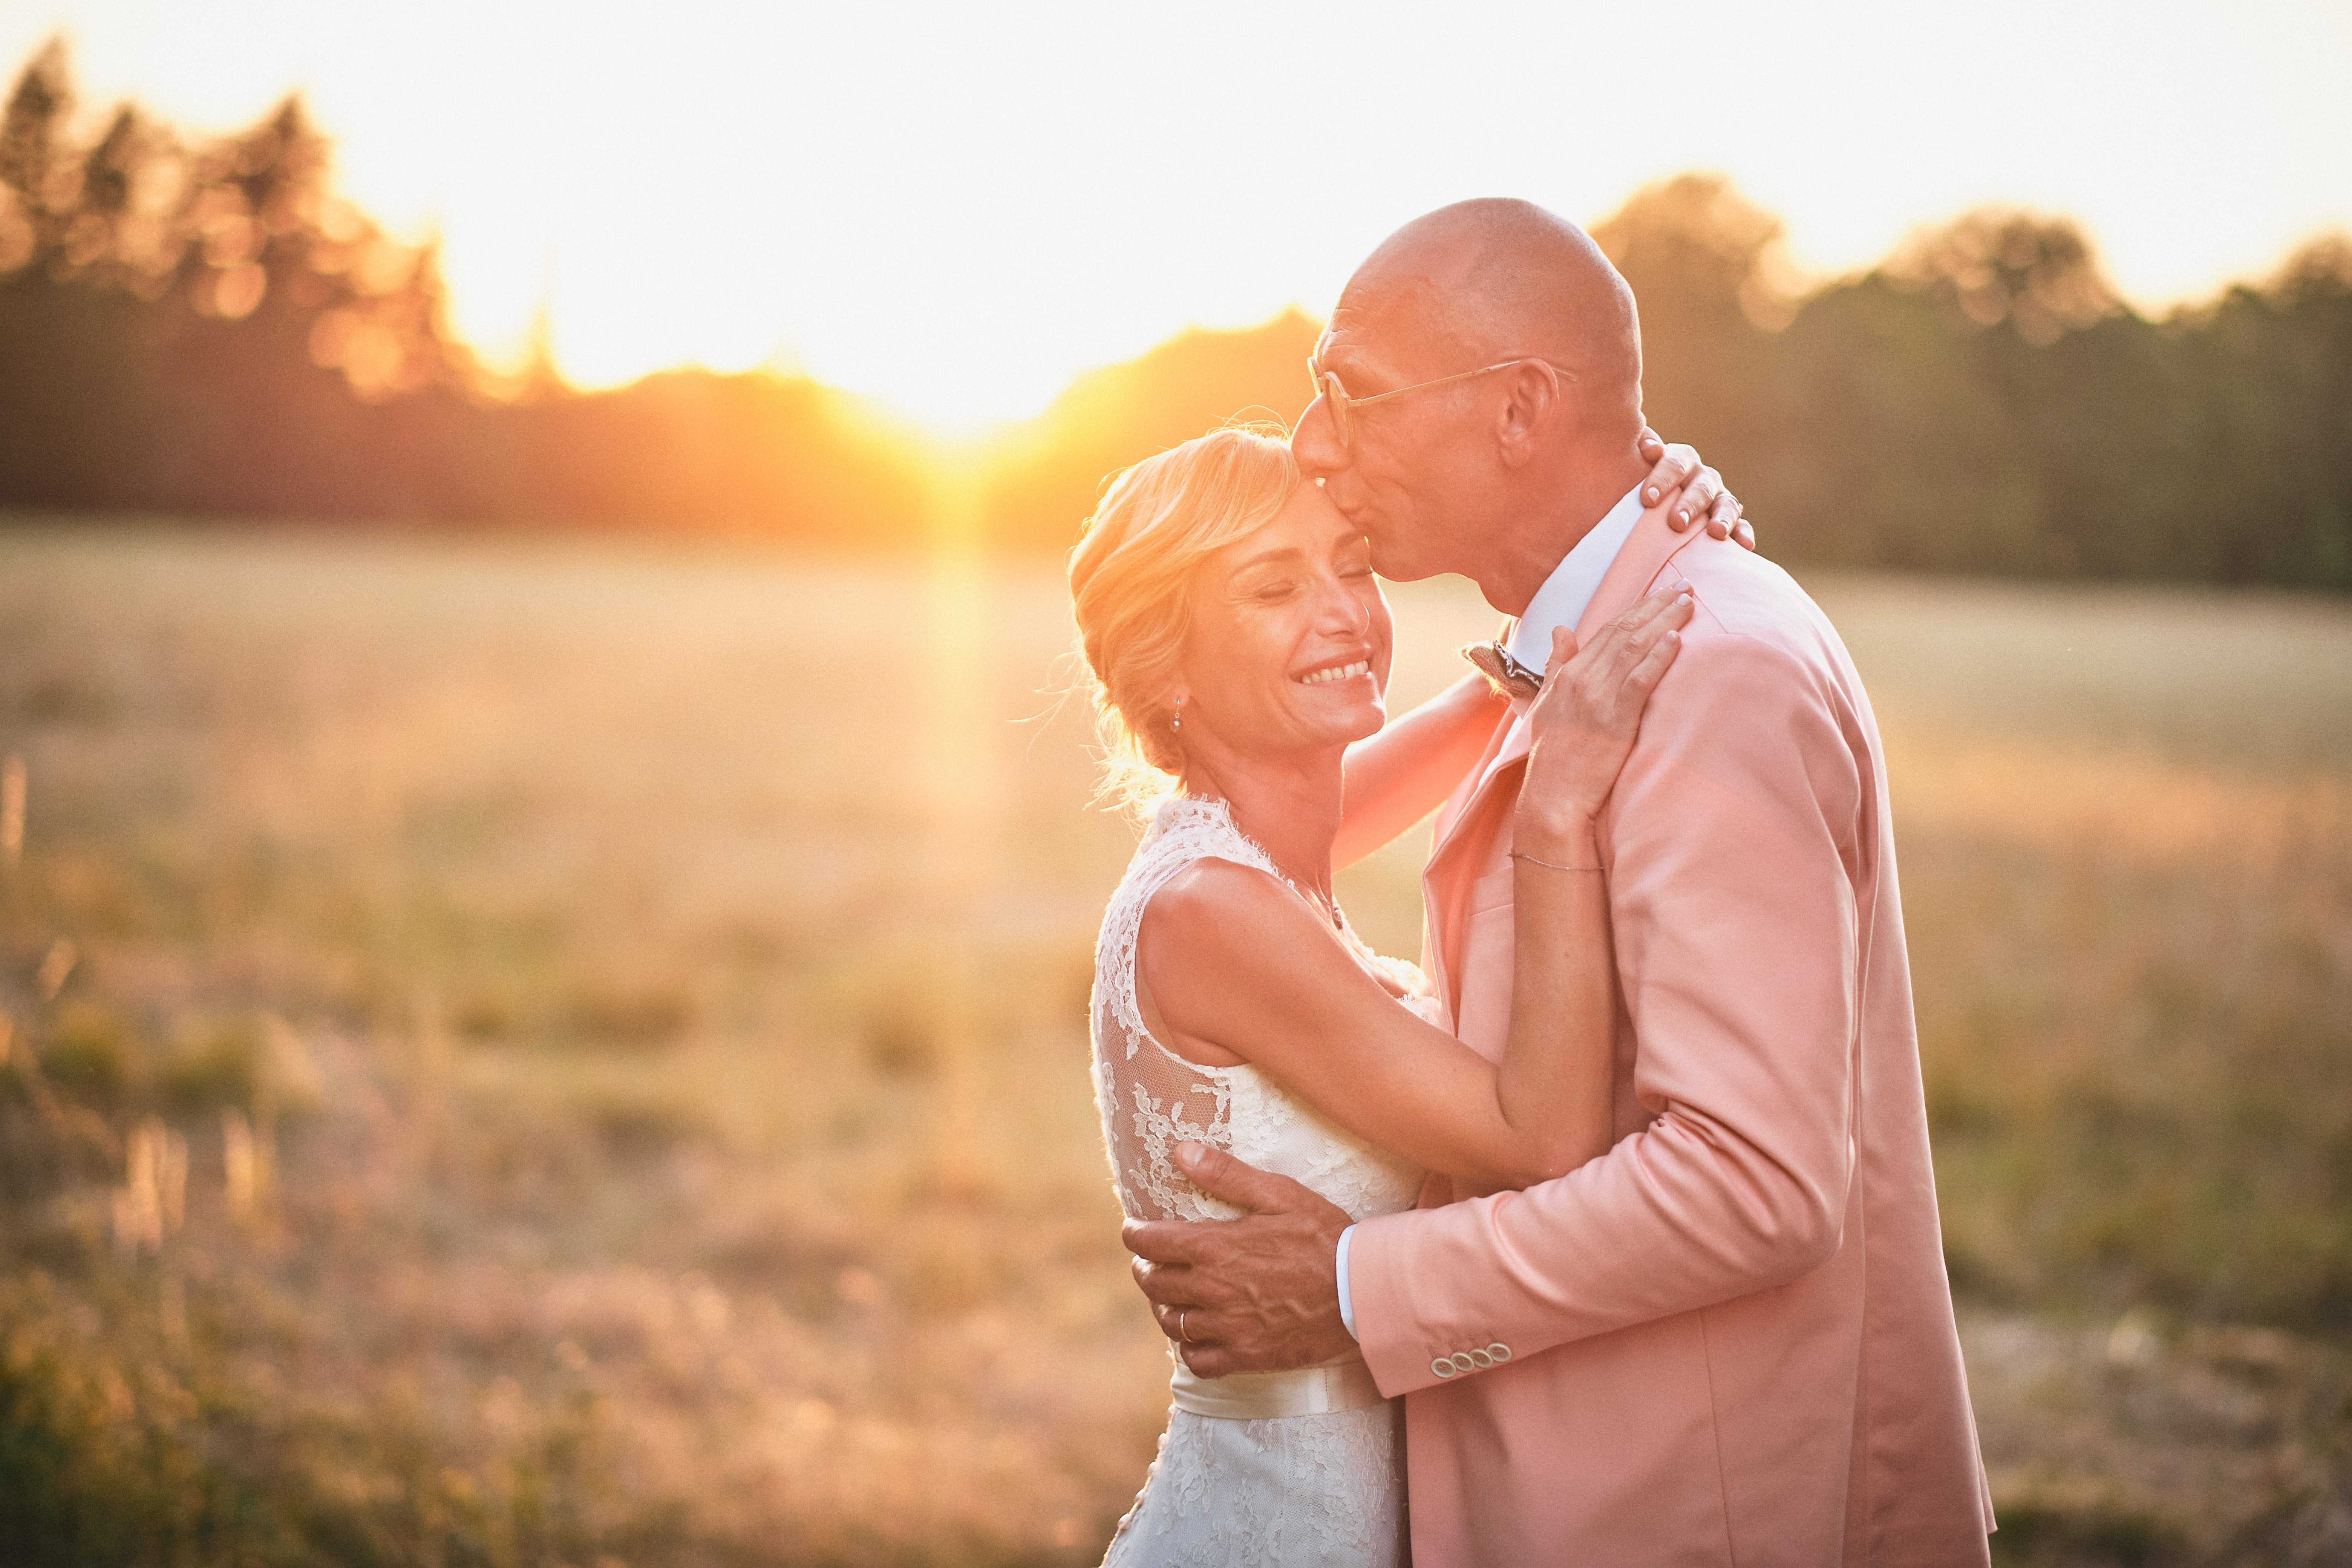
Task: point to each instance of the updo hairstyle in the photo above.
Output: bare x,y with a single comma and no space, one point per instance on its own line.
1130,584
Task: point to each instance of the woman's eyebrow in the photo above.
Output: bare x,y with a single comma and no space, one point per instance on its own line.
1278,553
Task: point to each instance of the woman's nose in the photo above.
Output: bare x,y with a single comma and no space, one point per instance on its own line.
1344,610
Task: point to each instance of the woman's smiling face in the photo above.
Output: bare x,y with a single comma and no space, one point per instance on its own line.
1289,642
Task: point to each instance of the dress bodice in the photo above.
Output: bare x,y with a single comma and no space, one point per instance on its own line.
1151,1099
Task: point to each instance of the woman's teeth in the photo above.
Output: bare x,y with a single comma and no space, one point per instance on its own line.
1337,672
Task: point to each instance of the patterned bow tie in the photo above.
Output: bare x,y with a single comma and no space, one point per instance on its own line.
1504,672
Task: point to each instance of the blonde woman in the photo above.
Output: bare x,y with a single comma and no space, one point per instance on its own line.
1240,647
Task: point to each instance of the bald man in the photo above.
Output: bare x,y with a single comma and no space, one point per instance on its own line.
1729,1339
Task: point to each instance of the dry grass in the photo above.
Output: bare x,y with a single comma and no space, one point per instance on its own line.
526,1054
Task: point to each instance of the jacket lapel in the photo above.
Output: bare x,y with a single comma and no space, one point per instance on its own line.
1445,881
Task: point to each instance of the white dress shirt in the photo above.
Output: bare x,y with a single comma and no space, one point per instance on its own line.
1566,594
1562,600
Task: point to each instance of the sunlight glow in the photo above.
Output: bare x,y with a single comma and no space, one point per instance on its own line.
955,208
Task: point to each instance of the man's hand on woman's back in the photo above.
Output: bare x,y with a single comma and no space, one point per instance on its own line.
1254,1294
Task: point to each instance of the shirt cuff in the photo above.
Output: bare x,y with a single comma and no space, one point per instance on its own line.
1347,1308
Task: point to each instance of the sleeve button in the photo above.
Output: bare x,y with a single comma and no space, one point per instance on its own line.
1443,1366
1481,1359
1461,1363
1499,1351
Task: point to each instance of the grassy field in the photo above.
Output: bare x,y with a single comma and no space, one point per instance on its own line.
530,1054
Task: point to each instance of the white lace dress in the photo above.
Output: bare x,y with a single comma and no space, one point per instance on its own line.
1293,1469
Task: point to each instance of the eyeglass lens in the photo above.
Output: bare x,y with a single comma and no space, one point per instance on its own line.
1327,383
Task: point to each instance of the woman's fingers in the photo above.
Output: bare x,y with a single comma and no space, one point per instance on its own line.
1697,500
1612,645
1673,466
1663,620
1600,692
1644,678
1563,649
1724,513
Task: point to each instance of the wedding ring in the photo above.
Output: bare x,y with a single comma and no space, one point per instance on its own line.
1180,1329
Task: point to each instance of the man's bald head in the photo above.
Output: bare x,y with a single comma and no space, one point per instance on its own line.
1497,277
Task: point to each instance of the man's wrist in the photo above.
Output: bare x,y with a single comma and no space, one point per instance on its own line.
1340,1263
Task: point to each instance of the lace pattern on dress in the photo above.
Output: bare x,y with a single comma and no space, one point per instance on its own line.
1151,1099
1326,1490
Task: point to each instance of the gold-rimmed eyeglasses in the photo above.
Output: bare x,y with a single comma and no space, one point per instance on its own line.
1329,388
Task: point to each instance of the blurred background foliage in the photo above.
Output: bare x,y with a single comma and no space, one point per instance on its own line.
203,328
531,1052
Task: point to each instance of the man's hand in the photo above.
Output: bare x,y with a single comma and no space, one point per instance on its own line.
1254,1294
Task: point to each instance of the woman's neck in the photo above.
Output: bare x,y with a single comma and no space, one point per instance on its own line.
1289,806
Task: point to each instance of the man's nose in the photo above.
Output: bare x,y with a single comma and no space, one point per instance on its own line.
1315,441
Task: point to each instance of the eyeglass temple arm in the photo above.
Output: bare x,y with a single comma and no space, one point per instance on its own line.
1441,381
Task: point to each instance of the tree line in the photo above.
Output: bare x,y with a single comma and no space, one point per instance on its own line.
203,326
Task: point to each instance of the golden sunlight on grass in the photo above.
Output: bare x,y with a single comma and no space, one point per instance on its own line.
537,1053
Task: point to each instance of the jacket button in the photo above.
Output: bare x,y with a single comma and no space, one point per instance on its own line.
1499,1351
1461,1363
1443,1366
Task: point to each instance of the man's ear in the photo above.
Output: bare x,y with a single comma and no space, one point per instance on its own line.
1535,404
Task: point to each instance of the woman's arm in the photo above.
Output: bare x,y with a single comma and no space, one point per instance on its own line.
1403,773
1232,965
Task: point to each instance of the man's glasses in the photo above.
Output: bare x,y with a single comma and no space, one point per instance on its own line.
1327,388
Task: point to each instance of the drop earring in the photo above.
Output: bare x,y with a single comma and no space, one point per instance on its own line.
1176,721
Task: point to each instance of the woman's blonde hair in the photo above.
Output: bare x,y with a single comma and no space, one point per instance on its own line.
1131,583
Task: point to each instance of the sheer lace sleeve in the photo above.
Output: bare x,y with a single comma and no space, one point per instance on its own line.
1150,1099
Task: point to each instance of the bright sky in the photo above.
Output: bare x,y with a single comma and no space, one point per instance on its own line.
955,207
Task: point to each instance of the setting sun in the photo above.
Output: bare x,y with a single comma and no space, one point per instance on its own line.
956,208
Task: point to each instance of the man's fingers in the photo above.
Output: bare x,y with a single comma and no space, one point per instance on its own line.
1163,1241
1741,531
1221,1176
1186,1324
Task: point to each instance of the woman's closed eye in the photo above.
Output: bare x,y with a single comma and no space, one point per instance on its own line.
1271,590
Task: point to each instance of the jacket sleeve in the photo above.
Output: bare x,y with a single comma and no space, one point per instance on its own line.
1735,842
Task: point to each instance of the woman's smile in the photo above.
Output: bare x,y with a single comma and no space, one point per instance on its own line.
1288,648
1324,674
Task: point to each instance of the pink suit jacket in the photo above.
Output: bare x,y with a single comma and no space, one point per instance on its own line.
1729,1339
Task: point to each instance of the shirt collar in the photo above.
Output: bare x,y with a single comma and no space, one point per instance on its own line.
1568,592
1564,598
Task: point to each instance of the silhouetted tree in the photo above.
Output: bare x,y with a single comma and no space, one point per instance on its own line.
205,327
208,328
1051,474
1984,402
